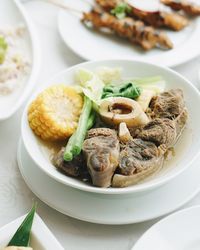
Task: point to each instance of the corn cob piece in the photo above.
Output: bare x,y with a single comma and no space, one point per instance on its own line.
54,114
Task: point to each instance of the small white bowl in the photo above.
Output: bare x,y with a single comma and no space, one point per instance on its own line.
187,148
41,236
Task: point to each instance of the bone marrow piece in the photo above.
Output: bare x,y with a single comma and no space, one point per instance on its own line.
115,110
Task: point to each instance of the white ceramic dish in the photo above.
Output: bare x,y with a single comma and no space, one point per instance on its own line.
41,236
98,208
13,14
93,45
179,231
187,148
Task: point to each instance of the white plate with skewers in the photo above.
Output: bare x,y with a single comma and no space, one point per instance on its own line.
19,57
91,44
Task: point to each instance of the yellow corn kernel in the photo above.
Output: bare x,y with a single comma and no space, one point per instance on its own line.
54,114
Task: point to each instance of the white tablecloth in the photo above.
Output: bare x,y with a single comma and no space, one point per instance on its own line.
15,196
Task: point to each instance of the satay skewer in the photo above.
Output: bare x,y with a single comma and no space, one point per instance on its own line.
133,30
187,7
158,18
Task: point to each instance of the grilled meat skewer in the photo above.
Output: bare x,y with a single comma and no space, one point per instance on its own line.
173,21
135,31
183,5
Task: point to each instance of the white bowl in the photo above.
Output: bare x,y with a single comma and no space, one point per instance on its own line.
187,148
179,231
41,236
14,14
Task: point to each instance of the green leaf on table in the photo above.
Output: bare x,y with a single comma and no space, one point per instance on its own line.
22,235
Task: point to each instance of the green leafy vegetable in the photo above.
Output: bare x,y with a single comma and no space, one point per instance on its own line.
121,10
128,90
109,75
3,49
86,120
155,83
90,84
133,88
22,235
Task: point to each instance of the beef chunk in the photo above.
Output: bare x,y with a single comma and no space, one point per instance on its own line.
138,160
163,130
75,168
101,150
138,155
168,104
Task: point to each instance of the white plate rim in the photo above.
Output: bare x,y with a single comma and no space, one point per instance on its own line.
98,221
182,211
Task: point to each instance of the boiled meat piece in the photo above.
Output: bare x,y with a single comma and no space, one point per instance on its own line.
75,168
144,154
163,130
180,122
101,150
159,131
168,104
138,159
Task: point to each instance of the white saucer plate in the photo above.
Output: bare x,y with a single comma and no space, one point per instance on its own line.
179,231
93,45
12,15
109,209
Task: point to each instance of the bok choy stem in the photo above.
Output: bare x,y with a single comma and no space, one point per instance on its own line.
86,120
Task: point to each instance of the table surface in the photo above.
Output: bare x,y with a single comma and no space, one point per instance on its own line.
16,198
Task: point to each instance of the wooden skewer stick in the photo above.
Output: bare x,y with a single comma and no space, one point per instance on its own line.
88,2
64,6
